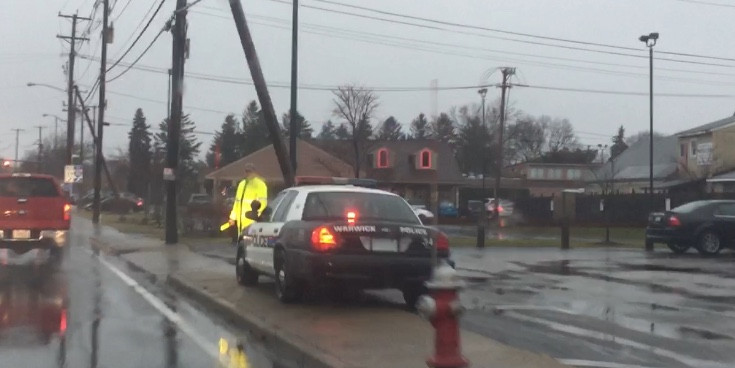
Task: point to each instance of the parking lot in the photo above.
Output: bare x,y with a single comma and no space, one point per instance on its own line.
605,307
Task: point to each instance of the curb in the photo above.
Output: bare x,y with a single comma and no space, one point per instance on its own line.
304,353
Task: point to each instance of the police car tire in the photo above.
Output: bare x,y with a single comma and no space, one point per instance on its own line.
287,288
245,274
411,295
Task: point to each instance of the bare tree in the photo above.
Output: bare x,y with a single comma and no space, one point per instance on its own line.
356,106
560,134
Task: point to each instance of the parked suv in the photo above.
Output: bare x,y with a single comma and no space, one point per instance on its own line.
35,214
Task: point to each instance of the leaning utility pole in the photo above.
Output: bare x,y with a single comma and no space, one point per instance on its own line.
507,72
70,83
261,88
294,130
91,126
40,146
178,32
17,134
101,118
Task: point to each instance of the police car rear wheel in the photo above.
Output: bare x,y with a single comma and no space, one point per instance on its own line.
245,275
287,288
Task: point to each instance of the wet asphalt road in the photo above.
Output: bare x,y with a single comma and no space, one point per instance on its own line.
85,315
605,308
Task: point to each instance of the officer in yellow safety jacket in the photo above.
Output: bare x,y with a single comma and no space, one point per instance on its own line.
249,189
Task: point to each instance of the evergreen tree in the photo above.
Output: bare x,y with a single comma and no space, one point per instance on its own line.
390,130
254,132
619,144
304,127
226,145
342,132
139,155
420,127
189,146
443,129
328,131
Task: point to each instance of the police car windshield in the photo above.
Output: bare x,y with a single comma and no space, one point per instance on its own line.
367,206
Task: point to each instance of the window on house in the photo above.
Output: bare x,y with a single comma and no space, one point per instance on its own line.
693,145
425,159
382,158
683,150
574,174
556,174
536,173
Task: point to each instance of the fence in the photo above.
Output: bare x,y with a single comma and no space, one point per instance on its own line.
619,209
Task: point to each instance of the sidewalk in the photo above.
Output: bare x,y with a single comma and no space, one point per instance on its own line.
317,334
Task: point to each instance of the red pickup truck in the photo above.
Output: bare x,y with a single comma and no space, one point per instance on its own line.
34,214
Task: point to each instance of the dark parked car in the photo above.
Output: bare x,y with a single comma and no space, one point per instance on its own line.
708,226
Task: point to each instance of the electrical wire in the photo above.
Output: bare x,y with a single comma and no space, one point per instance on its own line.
139,56
122,11
505,38
140,24
344,34
707,3
160,5
467,26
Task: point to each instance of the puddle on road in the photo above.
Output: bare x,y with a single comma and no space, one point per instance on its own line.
690,332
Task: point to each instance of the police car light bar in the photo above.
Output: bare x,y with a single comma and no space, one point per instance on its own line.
326,180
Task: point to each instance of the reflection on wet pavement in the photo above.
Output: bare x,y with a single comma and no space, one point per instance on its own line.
606,306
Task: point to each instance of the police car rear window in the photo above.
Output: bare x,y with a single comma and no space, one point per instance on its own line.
367,206
24,187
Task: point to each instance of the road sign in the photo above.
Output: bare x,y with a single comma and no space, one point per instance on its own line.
73,173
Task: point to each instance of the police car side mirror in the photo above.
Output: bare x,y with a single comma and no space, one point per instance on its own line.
255,205
252,215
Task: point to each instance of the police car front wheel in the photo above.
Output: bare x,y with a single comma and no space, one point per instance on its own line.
245,274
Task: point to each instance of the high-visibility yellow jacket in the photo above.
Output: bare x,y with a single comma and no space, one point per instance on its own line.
247,191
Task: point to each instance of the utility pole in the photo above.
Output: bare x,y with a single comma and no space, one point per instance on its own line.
70,83
178,33
507,72
261,88
102,104
294,77
91,127
482,217
40,146
17,134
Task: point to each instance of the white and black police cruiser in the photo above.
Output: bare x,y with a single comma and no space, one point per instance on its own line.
337,232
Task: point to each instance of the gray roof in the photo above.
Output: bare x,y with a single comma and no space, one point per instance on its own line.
726,177
707,127
446,172
633,163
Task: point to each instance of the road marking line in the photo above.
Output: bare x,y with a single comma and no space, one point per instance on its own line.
579,331
596,364
210,348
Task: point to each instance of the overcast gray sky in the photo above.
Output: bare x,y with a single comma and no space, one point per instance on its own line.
338,48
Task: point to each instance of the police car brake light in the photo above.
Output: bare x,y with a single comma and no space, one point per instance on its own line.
323,239
442,242
351,217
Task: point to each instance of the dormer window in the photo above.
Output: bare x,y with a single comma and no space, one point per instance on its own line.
382,161
425,159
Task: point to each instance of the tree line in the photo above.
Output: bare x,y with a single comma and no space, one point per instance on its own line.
474,141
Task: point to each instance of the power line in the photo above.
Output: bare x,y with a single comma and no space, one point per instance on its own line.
627,93
341,31
139,56
707,3
504,38
467,26
341,34
142,20
139,36
122,11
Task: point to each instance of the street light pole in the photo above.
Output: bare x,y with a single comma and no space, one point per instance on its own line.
650,41
481,216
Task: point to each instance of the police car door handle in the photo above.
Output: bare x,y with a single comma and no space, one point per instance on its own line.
275,231
260,230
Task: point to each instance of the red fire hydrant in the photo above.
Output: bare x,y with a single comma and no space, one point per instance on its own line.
443,309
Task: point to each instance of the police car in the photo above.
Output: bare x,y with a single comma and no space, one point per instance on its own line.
338,232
